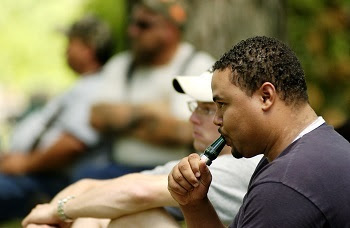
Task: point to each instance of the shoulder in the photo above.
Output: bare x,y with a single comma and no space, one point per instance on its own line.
162,169
117,63
121,56
314,167
319,151
198,59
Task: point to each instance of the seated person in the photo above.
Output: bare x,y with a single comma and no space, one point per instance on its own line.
45,144
148,115
260,91
142,199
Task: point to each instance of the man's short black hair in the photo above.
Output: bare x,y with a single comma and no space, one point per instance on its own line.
262,59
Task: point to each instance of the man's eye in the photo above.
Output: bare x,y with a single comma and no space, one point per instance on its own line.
206,109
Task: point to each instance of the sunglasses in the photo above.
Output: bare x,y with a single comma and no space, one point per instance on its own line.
142,24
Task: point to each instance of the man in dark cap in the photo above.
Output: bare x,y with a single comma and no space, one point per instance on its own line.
149,118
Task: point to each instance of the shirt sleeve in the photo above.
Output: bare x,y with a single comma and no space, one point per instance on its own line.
162,169
230,178
277,205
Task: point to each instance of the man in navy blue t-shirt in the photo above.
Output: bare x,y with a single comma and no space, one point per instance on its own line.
303,179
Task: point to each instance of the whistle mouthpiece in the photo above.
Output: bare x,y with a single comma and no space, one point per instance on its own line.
213,151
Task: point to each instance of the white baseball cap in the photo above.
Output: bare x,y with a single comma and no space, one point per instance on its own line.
197,87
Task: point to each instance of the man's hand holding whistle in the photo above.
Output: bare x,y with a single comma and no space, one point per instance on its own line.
189,180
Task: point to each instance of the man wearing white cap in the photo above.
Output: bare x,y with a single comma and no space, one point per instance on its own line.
142,199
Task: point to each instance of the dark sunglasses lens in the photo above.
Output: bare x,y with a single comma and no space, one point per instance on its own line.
144,25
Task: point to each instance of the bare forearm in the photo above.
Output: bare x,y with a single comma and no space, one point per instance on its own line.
125,195
201,215
78,188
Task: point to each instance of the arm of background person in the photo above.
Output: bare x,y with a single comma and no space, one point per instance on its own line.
151,123
114,198
78,188
124,195
47,213
64,150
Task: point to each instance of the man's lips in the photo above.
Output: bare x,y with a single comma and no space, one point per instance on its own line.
196,134
227,139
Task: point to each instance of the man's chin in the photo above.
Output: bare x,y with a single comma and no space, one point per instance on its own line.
236,154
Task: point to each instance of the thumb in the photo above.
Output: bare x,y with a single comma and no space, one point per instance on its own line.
205,177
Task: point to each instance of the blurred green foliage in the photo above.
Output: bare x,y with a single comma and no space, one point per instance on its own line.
114,12
32,51
32,57
319,32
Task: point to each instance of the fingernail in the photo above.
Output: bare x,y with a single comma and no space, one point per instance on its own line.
196,185
198,174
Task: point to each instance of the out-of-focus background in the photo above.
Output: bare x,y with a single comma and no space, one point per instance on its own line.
33,68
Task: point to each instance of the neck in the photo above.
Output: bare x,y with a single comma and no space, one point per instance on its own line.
90,68
287,129
225,150
166,55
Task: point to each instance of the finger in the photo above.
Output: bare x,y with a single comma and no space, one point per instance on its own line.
40,226
186,167
26,220
181,169
31,217
174,187
189,167
194,159
206,177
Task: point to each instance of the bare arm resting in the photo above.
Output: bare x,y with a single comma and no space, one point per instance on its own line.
188,184
109,199
63,150
127,194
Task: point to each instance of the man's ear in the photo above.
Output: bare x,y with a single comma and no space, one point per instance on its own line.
268,95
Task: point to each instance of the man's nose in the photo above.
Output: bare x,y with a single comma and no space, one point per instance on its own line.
194,119
217,120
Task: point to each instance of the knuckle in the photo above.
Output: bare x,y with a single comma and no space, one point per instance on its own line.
183,167
192,156
178,178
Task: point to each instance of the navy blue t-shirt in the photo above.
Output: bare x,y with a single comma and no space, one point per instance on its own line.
308,185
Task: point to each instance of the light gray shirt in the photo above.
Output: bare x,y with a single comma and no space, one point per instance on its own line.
74,113
230,181
152,85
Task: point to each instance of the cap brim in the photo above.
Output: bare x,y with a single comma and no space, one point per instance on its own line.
197,87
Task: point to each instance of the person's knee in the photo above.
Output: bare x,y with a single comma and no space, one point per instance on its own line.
155,218
90,222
